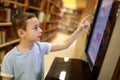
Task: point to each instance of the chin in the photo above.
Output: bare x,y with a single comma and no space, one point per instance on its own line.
37,40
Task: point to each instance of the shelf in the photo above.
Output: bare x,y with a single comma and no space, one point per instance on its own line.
54,3
49,30
35,8
52,21
13,2
22,5
5,24
57,14
9,43
49,37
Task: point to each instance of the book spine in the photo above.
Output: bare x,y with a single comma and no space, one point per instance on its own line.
41,17
0,37
3,33
8,14
2,15
2,54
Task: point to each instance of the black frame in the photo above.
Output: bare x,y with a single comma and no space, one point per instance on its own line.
95,68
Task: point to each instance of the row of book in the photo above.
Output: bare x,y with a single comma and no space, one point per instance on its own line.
57,3
70,21
35,3
54,9
6,14
6,34
2,35
3,14
52,17
5,17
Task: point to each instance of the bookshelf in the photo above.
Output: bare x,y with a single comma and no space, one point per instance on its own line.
70,20
53,10
47,12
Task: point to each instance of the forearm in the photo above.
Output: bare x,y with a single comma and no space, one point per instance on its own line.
72,37
66,43
83,26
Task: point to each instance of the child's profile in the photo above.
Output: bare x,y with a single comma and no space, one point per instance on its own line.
26,60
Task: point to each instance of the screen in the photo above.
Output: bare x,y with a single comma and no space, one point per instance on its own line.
97,31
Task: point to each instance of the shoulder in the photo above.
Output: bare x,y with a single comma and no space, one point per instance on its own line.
9,55
7,64
43,44
45,47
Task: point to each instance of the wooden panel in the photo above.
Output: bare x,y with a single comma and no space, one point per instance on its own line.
116,75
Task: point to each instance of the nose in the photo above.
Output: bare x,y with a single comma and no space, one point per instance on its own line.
40,30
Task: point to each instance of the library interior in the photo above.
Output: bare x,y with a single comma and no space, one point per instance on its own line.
94,55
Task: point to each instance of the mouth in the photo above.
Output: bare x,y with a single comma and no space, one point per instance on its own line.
39,35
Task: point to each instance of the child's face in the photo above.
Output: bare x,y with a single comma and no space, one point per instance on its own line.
33,30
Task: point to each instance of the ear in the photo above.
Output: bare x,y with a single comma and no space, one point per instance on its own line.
21,33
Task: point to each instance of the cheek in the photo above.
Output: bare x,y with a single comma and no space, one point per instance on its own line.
33,35
29,34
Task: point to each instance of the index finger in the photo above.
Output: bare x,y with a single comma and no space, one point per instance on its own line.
85,18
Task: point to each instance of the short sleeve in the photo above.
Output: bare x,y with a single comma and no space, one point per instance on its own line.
45,47
6,68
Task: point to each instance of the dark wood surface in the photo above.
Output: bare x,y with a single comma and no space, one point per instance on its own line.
75,69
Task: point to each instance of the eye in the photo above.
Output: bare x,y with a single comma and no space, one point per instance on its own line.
36,27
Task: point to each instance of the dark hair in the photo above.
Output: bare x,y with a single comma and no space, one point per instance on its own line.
19,20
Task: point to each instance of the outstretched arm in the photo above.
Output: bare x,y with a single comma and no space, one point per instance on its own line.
65,44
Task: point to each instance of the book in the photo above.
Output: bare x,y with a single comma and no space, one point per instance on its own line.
52,8
41,17
12,13
37,3
0,37
2,15
2,54
31,2
3,35
6,2
8,14
48,17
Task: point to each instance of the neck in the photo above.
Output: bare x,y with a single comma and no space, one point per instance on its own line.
24,46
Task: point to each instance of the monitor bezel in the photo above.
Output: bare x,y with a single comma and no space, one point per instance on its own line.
95,68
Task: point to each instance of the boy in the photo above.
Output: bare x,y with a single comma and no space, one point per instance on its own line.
25,60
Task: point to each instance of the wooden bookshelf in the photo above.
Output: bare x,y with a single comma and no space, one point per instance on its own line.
50,18
53,10
42,9
9,43
14,2
70,21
